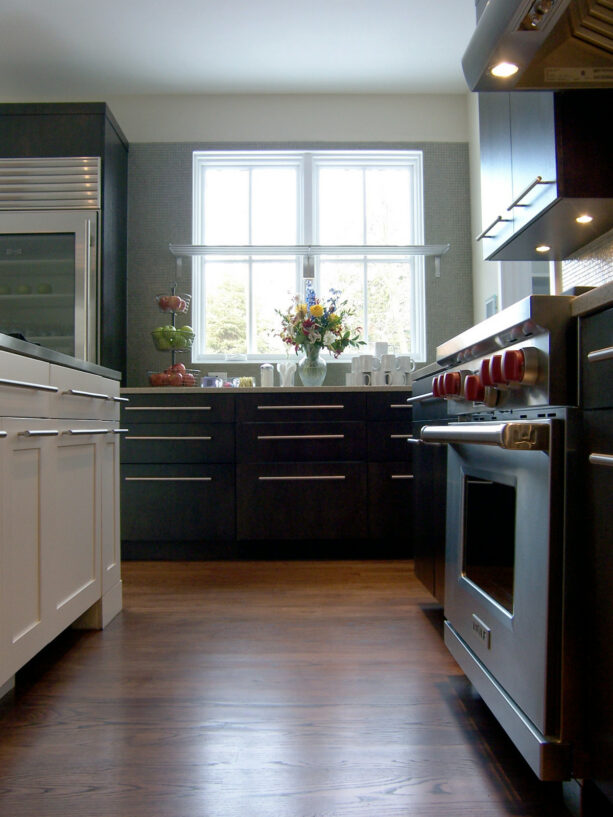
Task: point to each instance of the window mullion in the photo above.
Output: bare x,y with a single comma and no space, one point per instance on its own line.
250,304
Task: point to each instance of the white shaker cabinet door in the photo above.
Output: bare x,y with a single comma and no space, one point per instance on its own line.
109,510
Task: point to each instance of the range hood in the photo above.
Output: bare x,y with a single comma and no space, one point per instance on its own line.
555,45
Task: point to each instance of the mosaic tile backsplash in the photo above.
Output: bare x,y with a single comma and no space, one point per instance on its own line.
592,265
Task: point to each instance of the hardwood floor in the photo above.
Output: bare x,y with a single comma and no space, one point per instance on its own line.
260,689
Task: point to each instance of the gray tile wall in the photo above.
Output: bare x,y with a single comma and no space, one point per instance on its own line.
590,266
159,214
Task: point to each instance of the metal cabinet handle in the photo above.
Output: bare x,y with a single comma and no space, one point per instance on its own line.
399,405
422,397
120,399
168,479
601,459
3,434
485,232
22,384
600,354
402,476
168,408
79,393
524,193
400,436
518,436
120,430
301,437
38,433
299,408
169,437
313,477
76,432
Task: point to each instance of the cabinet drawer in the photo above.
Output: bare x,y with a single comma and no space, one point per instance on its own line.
177,407
25,390
391,487
287,442
83,395
388,441
300,406
302,501
182,503
388,406
174,443
596,365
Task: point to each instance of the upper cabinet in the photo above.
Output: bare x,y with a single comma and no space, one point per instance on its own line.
545,161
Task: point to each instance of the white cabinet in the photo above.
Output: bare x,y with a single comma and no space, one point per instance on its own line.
59,498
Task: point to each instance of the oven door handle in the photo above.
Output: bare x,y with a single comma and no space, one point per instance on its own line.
513,436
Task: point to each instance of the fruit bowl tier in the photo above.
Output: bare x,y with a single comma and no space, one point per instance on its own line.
176,375
173,303
168,338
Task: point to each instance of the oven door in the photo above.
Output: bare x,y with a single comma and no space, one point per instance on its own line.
503,580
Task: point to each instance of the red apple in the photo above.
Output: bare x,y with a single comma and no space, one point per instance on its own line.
163,302
175,379
174,302
178,367
189,379
156,379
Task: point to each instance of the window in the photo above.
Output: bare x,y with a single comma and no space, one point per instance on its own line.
286,200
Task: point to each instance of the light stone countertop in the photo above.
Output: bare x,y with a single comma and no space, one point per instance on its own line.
268,390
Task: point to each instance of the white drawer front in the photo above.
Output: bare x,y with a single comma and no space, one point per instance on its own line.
84,395
25,389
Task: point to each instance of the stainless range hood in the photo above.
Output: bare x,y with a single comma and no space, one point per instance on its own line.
555,44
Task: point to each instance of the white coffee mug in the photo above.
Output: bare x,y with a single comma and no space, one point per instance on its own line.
388,363
366,378
366,362
355,364
381,348
378,377
399,378
405,363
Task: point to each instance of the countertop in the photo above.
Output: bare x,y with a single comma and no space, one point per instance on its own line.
599,298
22,347
260,390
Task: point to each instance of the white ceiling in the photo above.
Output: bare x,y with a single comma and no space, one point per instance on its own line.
74,49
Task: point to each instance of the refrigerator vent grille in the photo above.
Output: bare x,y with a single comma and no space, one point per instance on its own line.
50,183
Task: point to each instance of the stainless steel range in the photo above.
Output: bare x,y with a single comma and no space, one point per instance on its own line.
512,592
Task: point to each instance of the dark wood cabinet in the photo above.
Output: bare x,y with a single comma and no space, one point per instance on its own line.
544,161
30,130
596,390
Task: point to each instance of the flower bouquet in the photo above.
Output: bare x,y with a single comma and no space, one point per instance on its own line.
314,325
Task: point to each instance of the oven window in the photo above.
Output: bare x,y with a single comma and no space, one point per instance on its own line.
489,537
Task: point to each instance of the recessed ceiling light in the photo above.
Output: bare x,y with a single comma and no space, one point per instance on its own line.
543,248
504,69
584,219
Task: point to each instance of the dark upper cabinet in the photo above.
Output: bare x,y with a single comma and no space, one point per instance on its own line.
32,130
544,161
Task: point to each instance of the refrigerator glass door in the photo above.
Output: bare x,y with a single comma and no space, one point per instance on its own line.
48,279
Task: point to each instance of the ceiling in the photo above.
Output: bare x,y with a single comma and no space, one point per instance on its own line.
71,49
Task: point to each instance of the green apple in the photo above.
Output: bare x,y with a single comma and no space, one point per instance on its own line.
23,289
160,339
43,289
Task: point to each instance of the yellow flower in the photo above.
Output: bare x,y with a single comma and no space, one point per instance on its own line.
333,317
301,310
317,310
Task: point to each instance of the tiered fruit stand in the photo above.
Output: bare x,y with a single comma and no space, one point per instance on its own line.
173,339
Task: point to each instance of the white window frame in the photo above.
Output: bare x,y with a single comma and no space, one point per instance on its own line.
307,162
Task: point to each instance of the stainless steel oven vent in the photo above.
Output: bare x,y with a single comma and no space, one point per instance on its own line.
71,183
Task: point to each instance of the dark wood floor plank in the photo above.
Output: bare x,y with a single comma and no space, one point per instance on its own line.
262,689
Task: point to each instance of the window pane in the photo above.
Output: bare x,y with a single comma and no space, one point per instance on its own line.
348,276
340,205
226,307
226,206
389,304
271,290
388,206
274,205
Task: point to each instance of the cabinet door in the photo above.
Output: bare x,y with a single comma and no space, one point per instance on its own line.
71,527
533,155
110,536
301,501
22,476
391,489
596,364
177,503
496,168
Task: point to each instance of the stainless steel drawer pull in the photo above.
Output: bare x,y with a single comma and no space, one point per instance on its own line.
22,384
602,459
168,408
314,477
414,440
75,432
79,393
120,430
600,354
36,432
301,437
524,193
399,405
169,437
3,434
484,234
298,408
401,436
402,476
168,479
421,397
513,436
120,399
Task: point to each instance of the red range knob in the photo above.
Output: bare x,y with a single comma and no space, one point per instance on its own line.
485,372
496,373
452,383
474,389
435,391
513,365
